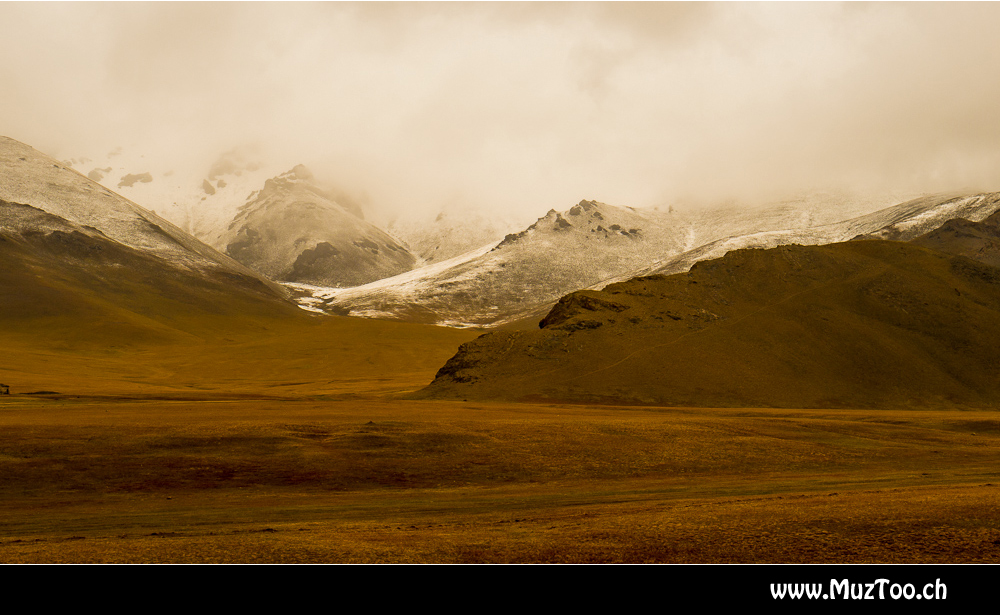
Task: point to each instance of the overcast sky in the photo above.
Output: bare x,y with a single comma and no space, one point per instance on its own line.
524,106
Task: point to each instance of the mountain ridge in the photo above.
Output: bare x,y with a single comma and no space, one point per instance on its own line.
592,244
519,276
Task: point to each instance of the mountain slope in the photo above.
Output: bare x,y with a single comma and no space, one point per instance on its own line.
592,245
900,222
866,324
81,262
32,178
62,281
522,275
294,231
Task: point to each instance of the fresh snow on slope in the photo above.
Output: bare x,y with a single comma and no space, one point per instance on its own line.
295,230
32,178
901,222
594,244
406,286
506,281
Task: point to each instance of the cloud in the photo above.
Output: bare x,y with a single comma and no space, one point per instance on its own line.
524,106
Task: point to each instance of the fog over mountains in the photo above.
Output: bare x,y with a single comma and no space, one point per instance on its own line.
500,282
297,230
514,108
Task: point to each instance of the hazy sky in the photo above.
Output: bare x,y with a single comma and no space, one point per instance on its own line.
524,106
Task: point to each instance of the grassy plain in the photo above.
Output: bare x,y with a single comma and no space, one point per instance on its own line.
295,443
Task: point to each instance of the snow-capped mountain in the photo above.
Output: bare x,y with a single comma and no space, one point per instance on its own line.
520,275
285,225
71,248
901,222
29,177
711,223
201,199
593,244
452,231
296,231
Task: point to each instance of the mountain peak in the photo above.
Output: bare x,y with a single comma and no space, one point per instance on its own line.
596,219
299,172
583,206
296,230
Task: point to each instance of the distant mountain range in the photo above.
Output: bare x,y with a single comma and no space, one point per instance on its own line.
469,268
286,225
780,306
592,244
519,275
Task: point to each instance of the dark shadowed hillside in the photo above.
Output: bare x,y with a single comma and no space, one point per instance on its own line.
870,324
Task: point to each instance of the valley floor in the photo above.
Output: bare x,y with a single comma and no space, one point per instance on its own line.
367,477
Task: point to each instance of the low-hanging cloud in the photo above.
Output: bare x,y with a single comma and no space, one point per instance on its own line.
524,106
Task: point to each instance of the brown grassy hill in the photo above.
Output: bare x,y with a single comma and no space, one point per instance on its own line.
867,324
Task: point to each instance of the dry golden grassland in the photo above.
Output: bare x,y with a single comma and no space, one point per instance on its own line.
296,445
